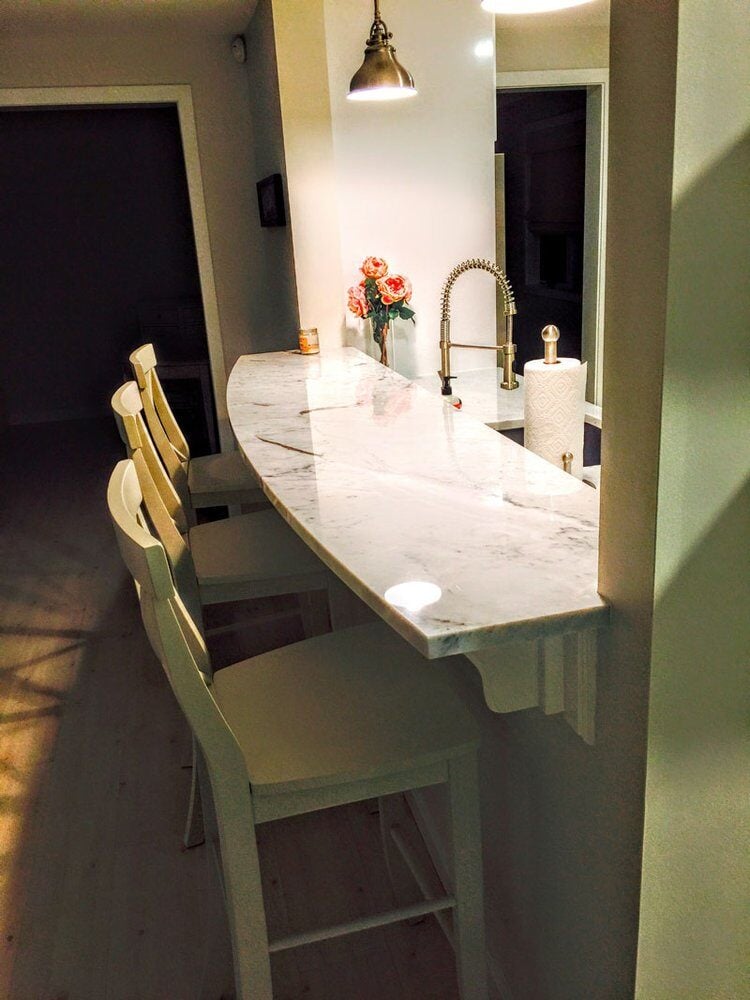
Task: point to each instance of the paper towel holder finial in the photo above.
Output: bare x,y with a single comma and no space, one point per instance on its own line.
550,336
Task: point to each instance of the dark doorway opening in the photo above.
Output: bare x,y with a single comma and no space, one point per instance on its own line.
98,257
542,134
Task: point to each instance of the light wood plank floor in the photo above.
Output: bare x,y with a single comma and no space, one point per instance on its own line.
97,901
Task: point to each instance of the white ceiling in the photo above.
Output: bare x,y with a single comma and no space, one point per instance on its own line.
214,16
593,14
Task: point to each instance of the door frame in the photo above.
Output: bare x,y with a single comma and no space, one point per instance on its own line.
596,82
179,96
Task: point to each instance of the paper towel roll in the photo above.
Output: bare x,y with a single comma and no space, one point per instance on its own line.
554,405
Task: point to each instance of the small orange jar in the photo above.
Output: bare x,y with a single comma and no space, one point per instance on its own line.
308,341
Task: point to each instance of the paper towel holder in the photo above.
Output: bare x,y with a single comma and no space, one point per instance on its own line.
550,336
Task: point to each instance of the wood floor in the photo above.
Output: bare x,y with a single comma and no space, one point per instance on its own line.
97,900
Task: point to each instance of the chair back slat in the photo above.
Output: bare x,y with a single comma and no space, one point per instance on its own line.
164,411
128,409
173,463
143,361
165,529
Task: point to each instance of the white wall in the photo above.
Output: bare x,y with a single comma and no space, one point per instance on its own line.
411,181
276,258
308,148
415,179
694,919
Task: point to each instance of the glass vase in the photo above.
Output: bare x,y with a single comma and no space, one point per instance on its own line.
381,334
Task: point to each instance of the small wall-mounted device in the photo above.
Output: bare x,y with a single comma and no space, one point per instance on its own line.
239,49
271,201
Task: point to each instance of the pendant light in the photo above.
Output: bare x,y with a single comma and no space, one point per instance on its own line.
529,6
381,77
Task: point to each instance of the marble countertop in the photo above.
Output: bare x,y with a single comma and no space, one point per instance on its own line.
483,399
457,537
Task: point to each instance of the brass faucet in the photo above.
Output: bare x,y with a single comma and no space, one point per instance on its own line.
508,348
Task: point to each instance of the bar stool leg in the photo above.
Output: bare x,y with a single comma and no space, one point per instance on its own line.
468,924
217,978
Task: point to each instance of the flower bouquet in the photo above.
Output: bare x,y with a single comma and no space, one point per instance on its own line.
380,297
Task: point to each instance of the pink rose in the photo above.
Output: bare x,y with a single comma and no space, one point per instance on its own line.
374,267
358,303
394,288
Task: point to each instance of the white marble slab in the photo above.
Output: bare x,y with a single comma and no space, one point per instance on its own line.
483,399
456,536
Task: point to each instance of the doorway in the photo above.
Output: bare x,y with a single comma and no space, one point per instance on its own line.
180,97
551,179
541,137
101,256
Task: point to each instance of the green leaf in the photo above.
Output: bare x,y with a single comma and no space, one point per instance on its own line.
406,313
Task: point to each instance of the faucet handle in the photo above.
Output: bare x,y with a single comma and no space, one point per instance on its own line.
445,389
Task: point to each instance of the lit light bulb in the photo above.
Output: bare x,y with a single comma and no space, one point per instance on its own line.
529,6
382,94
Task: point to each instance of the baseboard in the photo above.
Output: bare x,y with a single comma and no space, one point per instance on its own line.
437,848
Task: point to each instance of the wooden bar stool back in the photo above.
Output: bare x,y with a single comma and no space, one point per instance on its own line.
127,406
203,481
168,438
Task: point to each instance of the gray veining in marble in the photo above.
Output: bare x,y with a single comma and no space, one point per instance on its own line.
483,399
402,495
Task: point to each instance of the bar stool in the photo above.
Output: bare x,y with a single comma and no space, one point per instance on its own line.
331,720
239,558
205,481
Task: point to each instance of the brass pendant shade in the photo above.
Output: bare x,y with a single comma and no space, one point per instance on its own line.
381,77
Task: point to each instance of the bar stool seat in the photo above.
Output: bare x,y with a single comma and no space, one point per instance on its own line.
222,480
252,555
357,704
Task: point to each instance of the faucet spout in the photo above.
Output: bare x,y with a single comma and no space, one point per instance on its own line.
507,349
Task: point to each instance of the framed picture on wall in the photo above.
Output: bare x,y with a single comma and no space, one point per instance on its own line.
271,201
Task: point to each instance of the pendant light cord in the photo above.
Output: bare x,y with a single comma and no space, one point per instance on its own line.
379,33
